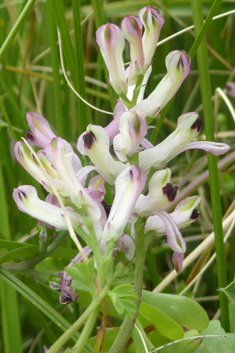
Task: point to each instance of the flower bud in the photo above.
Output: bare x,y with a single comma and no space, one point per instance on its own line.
132,30
40,132
132,131
111,42
153,22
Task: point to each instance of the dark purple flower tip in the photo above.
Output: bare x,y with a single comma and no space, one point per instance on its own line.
29,136
195,214
107,207
22,194
88,139
197,124
170,191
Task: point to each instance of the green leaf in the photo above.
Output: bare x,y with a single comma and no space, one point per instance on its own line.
163,323
36,300
140,339
230,291
110,336
217,344
83,275
183,310
121,297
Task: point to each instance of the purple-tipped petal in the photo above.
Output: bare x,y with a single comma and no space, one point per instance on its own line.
216,148
160,194
99,154
62,153
27,200
132,30
178,67
40,132
230,87
153,22
111,42
174,239
128,186
188,127
132,131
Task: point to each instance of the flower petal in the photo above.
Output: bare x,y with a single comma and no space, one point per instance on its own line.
111,42
62,153
153,22
178,67
128,186
28,202
95,143
40,132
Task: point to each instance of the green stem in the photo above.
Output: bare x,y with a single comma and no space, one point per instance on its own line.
205,85
204,27
86,332
15,29
38,258
128,323
80,321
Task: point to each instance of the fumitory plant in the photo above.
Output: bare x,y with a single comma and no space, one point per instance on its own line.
112,194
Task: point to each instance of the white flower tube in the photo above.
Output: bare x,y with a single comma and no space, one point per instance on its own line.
27,200
188,127
111,42
95,144
178,67
161,193
40,132
132,131
128,186
153,22
62,153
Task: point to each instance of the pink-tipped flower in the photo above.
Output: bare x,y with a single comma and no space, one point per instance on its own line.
188,127
40,132
111,42
132,131
161,194
31,165
175,239
128,186
132,30
230,87
95,144
62,153
184,215
27,200
178,67
153,22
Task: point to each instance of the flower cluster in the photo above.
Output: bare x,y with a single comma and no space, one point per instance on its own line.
138,174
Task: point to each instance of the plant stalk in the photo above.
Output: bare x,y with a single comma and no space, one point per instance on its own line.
128,323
